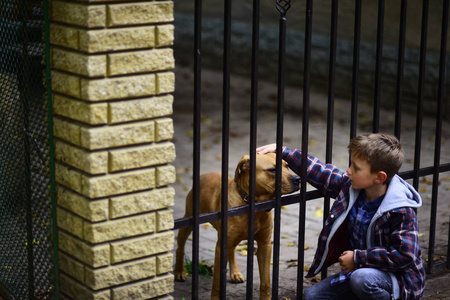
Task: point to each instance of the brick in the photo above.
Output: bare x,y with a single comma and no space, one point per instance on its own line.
81,64
105,40
120,274
67,131
152,288
71,267
141,202
64,36
164,35
89,162
165,175
140,61
66,84
89,16
91,210
116,136
117,88
121,228
165,83
164,263
67,177
164,220
77,291
139,157
94,256
103,186
70,222
163,129
133,110
140,13
90,113
142,246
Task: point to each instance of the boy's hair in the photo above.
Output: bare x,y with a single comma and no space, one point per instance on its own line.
382,151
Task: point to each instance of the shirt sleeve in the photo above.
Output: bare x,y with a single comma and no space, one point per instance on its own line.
327,178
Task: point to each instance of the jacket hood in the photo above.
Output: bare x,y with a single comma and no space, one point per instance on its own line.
400,194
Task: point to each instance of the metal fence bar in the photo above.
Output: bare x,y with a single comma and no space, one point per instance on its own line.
422,63
378,66
252,151
52,179
330,110
305,138
283,7
400,68
196,149
225,148
438,136
355,71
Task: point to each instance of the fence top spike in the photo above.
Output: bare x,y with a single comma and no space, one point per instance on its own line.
283,6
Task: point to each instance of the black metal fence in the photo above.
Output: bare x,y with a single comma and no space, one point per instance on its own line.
284,7
28,245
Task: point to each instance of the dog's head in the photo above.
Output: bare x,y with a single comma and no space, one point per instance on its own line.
265,176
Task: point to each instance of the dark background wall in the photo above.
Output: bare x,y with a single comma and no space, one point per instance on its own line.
241,46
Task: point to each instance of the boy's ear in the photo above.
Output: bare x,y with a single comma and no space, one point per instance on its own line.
380,178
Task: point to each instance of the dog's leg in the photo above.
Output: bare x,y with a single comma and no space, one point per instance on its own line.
215,291
264,254
179,272
235,274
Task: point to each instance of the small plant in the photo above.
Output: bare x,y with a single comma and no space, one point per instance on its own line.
204,268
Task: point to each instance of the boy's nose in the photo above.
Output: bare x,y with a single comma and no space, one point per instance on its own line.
348,171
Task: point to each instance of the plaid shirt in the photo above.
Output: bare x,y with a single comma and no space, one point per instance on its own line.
392,243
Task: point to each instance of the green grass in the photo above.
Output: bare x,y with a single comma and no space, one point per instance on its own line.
204,268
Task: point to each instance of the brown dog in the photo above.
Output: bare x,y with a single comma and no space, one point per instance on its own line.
210,200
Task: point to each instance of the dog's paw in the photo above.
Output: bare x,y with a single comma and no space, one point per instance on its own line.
180,277
237,278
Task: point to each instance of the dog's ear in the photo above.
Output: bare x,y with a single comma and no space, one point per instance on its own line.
243,165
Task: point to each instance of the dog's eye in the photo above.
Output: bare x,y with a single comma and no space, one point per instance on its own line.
271,170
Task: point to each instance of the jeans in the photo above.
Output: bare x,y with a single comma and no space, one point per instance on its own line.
364,283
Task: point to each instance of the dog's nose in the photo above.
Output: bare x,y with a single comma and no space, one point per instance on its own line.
296,180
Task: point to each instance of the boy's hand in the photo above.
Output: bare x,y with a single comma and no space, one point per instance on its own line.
346,261
271,148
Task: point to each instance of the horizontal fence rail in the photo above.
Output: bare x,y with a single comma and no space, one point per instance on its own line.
283,7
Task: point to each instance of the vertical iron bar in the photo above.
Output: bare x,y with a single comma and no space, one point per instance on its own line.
355,79
422,63
52,181
225,150
438,137
282,7
330,112
196,156
305,137
253,135
378,68
400,68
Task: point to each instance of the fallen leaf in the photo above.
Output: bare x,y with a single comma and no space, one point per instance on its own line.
318,213
290,244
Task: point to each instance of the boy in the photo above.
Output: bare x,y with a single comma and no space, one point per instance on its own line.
372,228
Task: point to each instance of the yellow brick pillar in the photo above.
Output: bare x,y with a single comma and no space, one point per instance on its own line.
112,79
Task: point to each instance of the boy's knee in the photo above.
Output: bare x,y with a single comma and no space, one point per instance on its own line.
310,293
366,285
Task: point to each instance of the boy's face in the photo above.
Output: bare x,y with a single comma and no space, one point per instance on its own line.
360,174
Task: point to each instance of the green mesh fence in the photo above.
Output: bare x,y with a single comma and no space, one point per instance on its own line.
27,268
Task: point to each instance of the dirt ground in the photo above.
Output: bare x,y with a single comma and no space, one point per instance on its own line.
211,149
